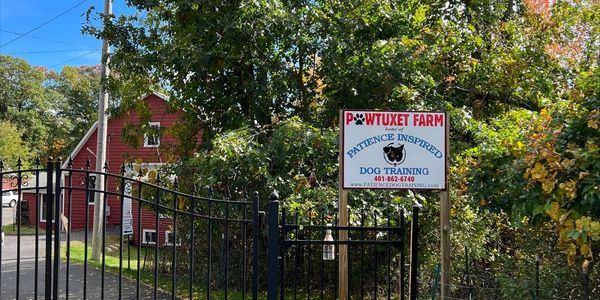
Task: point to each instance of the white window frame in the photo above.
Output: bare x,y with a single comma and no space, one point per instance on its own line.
167,240
146,145
144,241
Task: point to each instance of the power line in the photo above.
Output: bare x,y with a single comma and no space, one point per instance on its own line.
39,26
71,59
39,37
52,51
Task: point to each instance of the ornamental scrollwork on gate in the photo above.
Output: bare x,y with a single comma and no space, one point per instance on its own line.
14,180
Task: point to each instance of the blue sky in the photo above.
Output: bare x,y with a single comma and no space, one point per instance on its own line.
58,43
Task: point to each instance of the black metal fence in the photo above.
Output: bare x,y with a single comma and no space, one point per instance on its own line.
301,266
210,249
213,251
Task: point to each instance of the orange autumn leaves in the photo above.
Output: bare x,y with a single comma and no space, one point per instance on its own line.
558,175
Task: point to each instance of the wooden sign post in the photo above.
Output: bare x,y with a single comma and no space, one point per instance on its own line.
445,229
343,221
392,150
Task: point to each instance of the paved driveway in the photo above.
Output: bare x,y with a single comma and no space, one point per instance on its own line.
7,215
8,267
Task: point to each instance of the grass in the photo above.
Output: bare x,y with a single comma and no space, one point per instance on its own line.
11,229
77,250
147,277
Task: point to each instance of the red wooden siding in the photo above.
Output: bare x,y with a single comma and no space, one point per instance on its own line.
8,184
148,221
33,207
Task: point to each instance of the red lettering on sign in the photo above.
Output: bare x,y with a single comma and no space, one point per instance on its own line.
439,120
349,118
428,120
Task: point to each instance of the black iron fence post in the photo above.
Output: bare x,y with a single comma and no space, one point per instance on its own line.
282,254
537,277
414,253
402,254
273,246
255,244
48,200
122,210
57,197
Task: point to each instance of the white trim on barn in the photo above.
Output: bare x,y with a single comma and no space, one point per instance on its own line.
82,142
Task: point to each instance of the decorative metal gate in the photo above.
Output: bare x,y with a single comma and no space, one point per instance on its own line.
302,264
210,247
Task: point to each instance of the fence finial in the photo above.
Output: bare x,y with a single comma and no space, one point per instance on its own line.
70,164
274,196
37,161
88,163
1,165
175,183
123,169
19,163
105,168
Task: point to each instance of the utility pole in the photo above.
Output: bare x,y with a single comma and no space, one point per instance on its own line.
101,146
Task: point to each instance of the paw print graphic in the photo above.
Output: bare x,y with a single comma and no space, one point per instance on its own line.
359,119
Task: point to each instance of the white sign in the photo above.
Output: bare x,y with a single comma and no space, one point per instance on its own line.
127,221
394,150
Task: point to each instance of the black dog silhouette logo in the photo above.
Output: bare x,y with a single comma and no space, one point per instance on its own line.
394,154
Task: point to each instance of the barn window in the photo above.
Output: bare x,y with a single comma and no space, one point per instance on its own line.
149,237
42,206
152,136
169,239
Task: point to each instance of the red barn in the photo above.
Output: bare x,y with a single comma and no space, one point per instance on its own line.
118,153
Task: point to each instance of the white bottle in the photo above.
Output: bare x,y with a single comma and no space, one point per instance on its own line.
328,249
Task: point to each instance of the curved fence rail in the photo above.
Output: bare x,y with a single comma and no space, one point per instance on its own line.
153,242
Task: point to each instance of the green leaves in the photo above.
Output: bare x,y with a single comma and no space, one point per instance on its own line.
12,146
52,111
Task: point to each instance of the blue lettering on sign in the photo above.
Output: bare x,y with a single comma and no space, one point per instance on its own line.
370,141
421,143
406,171
370,170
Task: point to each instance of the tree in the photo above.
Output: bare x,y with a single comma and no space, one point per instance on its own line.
24,101
12,147
51,110
547,162
75,92
518,79
237,68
